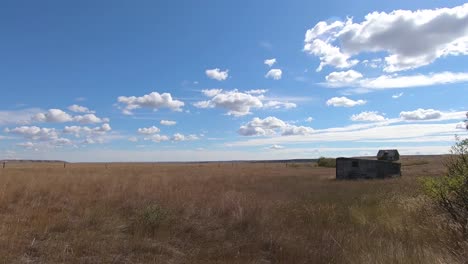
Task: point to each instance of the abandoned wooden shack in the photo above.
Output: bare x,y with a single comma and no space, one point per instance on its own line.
384,167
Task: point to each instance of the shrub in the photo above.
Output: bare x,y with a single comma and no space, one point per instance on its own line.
326,162
148,220
450,192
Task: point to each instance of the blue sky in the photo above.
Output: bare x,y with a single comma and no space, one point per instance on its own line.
219,80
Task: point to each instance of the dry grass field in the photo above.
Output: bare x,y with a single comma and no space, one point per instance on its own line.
218,213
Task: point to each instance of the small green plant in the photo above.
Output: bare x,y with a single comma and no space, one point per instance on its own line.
326,162
450,192
149,219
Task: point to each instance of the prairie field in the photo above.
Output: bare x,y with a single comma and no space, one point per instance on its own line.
219,213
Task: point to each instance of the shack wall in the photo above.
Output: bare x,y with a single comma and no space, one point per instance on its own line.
348,168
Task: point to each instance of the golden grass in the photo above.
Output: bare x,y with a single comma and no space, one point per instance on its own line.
215,213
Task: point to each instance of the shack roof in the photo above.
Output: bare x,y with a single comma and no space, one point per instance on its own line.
388,154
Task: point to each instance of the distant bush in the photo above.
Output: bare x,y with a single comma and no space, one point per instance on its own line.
450,192
326,162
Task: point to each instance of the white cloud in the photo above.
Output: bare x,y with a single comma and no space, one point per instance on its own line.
421,114
270,62
103,128
241,103
274,74
370,116
80,109
89,119
328,54
157,138
395,81
217,74
34,132
52,116
148,130
374,63
237,103
211,92
261,127
278,105
276,147
344,102
292,130
168,123
410,38
257,91
398,95
387,81
79,131
309,119
133,139
380,132
181,137
21,117
91,140
59,116
154,101
270,126
342,78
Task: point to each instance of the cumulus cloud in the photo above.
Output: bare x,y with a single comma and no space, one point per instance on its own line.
181,137
59,116
89,119
79,131
270,126
329,55
309,119
240,103
148,130
52,116
344,102
274,74
217,74
211,92
34,132
342,78
369,116
261,127
80,109
292,130
421,114
157,138
410,39
154,101
270,62
168,123
40,136
237,103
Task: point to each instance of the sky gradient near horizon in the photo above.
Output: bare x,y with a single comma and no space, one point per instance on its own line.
230,80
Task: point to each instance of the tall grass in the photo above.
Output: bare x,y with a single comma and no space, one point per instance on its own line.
214,213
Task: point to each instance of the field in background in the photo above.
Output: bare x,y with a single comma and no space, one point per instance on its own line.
217,213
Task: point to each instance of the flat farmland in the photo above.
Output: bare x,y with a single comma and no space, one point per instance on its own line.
223,212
